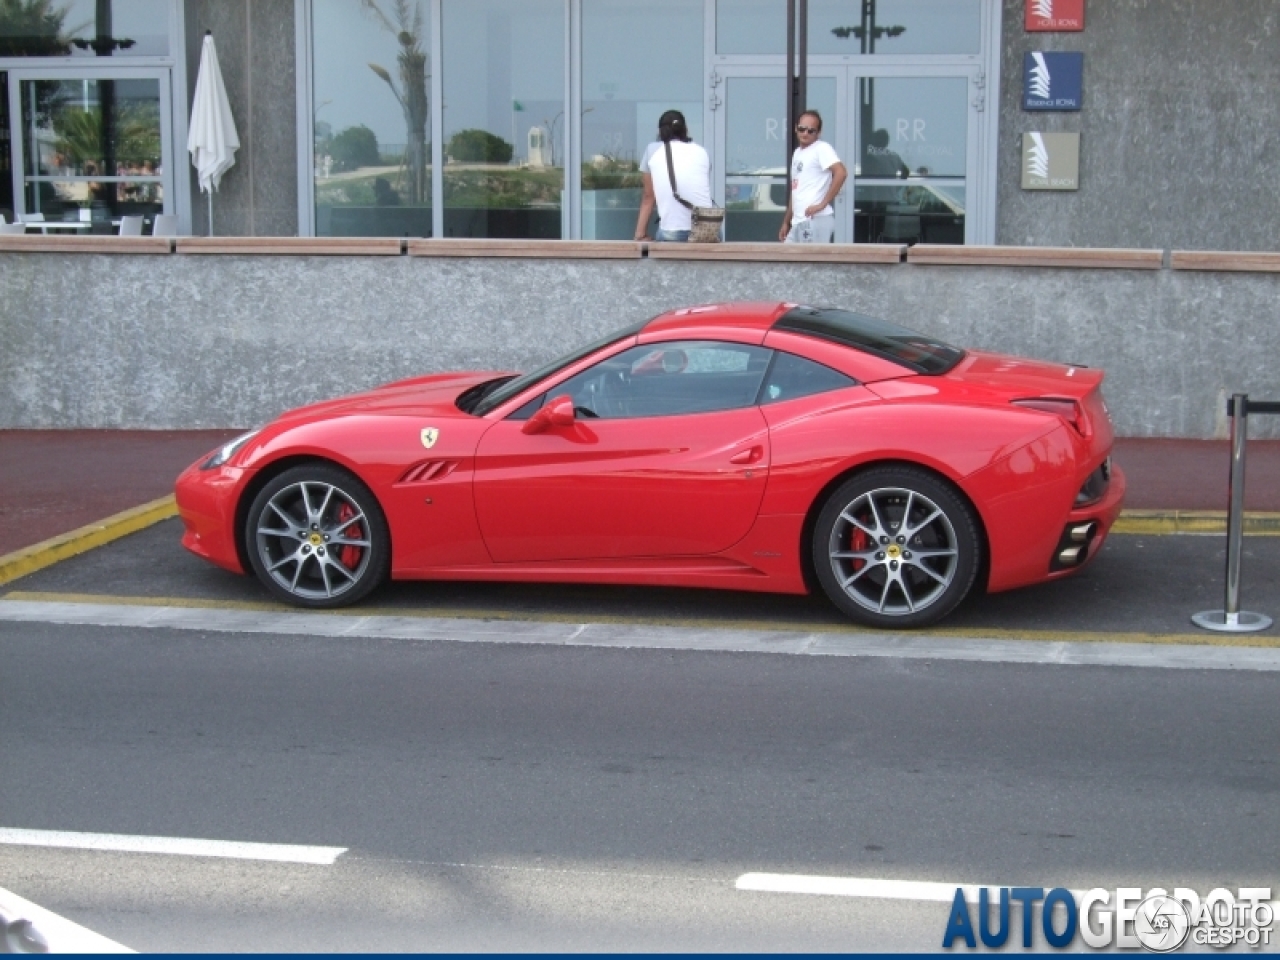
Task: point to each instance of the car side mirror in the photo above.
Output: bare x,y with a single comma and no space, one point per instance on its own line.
556,412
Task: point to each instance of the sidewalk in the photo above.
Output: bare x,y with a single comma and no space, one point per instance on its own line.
54,481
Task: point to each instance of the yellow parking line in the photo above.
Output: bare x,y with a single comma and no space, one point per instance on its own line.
446,613
48,552
1157,522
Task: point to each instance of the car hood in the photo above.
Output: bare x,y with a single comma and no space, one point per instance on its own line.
433,395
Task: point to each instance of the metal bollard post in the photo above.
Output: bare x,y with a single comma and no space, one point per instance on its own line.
1231,619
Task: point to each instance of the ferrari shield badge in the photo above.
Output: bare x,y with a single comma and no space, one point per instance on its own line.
429,436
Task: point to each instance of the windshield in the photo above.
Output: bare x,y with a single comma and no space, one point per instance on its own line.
915,351
510,388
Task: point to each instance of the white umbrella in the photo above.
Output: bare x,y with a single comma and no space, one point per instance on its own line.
212,139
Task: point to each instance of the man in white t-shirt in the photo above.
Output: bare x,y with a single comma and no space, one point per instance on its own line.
817,176
693,180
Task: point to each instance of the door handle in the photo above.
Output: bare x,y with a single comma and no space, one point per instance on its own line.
750,455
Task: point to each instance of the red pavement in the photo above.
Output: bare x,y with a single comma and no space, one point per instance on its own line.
53,481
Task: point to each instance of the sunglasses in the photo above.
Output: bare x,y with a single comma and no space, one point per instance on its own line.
801,128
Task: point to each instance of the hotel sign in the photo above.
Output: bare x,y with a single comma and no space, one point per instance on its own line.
1054,15
1051,161
1052,81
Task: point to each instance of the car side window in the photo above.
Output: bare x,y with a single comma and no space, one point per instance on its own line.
790,376
669,379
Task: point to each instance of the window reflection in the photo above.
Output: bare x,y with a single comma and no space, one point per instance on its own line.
504,117
85,28
852,26
640,58
372,81
93,145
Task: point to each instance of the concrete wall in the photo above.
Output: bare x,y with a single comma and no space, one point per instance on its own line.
258,197
185,341
1179,138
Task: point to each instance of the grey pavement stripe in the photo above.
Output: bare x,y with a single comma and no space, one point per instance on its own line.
643,636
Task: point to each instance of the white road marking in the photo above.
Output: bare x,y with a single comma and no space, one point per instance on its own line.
648,636
867,887
180,846
59,933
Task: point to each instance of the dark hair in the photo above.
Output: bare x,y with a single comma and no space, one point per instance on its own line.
671,126
811,113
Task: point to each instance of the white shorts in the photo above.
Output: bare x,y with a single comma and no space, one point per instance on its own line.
817,230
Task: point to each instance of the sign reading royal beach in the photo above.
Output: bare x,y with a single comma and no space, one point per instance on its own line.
1054,15
1051,161
1052,81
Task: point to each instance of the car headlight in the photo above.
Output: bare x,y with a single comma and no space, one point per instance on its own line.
228,450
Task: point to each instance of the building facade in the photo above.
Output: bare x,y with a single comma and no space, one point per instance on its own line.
527,118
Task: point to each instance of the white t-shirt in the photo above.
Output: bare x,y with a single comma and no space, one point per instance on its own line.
693,181
811,178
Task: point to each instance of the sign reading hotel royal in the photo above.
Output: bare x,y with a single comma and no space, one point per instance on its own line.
1052,81
1051,161
1054,15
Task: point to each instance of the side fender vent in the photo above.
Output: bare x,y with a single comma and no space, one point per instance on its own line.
428,470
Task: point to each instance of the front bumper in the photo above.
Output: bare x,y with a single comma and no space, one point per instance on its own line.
207,507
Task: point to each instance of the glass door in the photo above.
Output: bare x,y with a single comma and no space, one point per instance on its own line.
91,145
907,136
914,146
752,153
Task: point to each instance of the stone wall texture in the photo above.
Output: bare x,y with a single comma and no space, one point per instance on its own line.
1179,139
192,341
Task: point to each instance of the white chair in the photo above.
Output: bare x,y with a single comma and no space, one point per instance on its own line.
131,226
36,219
12,229
165,225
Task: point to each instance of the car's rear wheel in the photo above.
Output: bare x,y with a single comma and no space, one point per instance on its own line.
316,537
896,547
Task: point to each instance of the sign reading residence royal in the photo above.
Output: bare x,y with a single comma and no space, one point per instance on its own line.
1051,161
1054,15
1052,81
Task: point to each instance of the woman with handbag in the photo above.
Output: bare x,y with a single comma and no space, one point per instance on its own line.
677,179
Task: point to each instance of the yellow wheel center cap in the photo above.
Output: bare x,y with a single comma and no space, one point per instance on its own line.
316,539
893,551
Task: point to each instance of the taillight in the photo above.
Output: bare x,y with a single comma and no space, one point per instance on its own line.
1064,407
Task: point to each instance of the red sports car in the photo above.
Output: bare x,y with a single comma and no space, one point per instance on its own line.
745,446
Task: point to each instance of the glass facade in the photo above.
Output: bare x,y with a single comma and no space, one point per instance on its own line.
504,118
85,28
91,145
640,58
545,108
371,118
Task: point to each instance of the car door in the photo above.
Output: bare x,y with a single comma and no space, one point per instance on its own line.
667,455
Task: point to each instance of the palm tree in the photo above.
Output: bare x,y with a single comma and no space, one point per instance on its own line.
411,93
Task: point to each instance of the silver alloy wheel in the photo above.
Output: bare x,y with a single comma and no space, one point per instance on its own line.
893,551
313,540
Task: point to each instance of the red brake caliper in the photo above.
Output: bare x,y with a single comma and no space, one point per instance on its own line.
858,543
350,556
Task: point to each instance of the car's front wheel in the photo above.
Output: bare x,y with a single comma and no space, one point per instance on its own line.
316,537
896,547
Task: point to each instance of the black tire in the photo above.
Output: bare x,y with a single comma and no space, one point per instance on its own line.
887,575
316,537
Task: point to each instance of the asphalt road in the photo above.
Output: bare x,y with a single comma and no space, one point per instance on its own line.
523,796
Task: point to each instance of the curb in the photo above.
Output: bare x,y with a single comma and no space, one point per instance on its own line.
1193,521
48,552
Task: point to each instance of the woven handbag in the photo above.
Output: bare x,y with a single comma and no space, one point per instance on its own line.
707,221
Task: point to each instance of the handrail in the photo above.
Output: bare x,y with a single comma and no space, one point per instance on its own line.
294,246
39,243
1241,261
536,249
1097,258
781,252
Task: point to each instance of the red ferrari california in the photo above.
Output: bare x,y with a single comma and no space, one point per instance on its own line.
744,446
